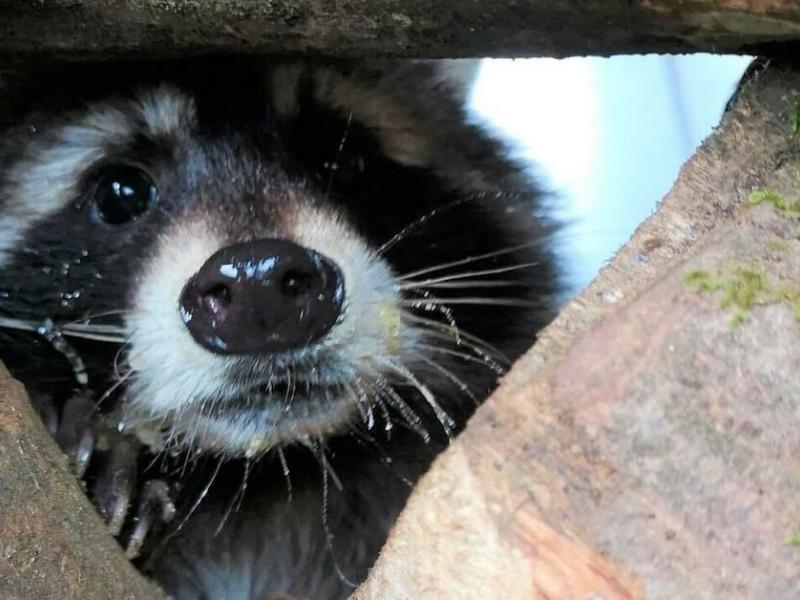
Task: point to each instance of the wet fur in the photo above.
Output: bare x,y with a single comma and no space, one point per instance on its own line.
402,147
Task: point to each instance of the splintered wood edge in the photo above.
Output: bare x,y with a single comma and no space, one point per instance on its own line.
534,499
53,544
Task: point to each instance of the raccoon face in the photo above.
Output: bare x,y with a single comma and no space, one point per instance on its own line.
261,265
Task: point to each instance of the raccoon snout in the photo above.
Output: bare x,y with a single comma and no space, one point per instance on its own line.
262,297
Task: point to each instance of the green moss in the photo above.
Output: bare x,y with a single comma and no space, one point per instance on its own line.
794,121
791,296
702,281
738,318
778,245
777,200
796,176
794,539
741,288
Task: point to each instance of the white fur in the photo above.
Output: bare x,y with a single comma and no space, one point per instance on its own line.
45,180
175,377
174,369
166,111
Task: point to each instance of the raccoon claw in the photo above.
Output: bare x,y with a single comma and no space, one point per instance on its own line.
47,410
155,503
113,486
75,432
72,429
111,480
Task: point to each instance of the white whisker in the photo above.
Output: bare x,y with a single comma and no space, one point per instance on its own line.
442,309
326,470
113,388
478,301
464,275
362,403
286,474
479,345
419,222
484,283
86,319
236,500
92,328
200,497
97,333
463,355
467,260
18,324
411,418
444,419
452,377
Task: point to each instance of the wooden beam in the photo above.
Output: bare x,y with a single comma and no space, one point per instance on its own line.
413,28
53,543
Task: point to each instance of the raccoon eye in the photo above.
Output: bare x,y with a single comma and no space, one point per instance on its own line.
123,194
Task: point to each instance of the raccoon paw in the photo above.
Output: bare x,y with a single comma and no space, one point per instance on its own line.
75,432
107,462
71,427
113,481
131,514
155,505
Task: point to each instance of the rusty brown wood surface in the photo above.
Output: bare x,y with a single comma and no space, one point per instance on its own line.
649,445
412,28
53,544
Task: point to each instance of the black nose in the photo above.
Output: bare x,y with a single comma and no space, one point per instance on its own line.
264,296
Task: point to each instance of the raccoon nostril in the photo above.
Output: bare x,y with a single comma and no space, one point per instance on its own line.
295,283
217,299
262,297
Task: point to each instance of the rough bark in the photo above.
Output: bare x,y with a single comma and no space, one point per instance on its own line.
411,28
53,544
647,446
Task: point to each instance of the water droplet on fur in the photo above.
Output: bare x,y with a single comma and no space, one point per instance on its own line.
45,327
68,298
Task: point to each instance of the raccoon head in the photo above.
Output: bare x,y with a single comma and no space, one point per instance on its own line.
262,256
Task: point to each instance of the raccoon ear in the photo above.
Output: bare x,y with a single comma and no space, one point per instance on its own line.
364,97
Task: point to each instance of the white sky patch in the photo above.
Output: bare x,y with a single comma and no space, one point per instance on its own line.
606,135
547,107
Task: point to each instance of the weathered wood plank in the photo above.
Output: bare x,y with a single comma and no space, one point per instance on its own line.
53,544
413,28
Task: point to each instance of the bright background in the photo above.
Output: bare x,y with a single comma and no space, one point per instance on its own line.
606,135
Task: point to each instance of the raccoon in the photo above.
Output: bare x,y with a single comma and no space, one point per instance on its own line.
252,299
